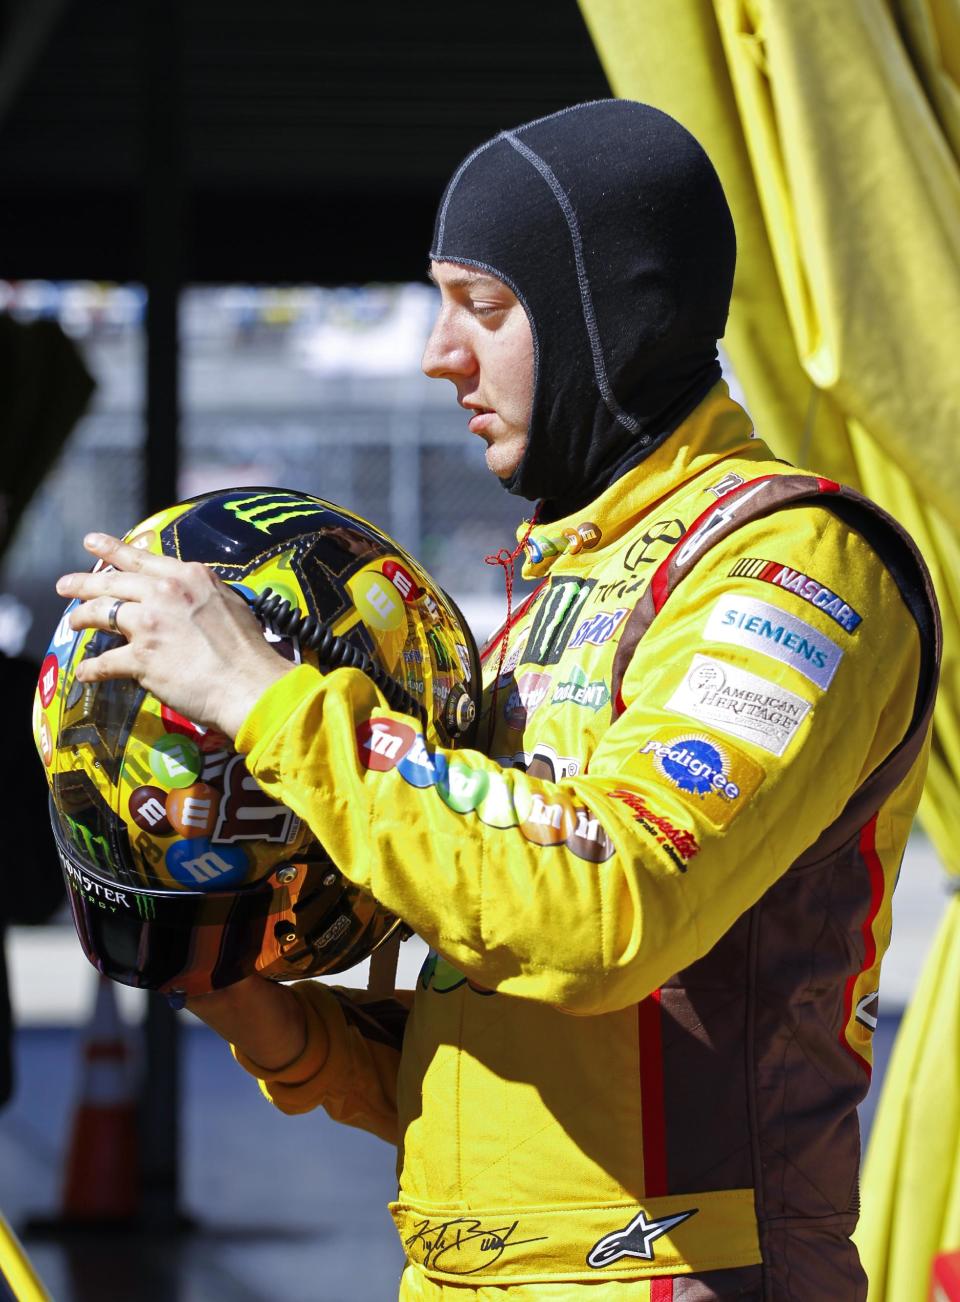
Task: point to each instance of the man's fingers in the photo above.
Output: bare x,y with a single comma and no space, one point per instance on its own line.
133,559
113,583
114,614
121,662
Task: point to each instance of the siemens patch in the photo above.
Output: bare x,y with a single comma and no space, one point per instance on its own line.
744,621
811,590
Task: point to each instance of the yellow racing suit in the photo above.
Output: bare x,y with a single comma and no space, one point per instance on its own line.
656,909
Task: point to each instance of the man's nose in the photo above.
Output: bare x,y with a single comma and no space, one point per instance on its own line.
445,355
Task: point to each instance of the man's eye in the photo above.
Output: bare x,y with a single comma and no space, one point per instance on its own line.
487,309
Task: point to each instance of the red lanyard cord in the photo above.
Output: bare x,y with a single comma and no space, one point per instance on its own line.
507,560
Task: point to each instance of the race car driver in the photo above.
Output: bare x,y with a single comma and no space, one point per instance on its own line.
657,893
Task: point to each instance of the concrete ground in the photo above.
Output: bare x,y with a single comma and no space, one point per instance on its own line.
290,1208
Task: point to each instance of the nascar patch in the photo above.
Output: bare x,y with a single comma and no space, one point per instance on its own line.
802,585
713,777
739,703
744,621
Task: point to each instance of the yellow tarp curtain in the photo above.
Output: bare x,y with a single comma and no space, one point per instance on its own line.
835,127
17,1276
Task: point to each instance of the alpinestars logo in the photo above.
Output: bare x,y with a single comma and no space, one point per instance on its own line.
266,510
636,1240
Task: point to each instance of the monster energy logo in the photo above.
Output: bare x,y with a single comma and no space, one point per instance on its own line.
103,896
146,907
266,510
555,619
95,847
440,653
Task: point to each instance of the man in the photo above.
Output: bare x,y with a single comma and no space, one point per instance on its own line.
657,909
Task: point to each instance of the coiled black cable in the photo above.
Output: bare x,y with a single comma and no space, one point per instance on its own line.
333,651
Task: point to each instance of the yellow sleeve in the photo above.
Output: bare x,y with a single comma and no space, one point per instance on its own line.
349,1062
589,892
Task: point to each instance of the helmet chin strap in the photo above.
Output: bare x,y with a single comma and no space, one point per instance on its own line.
382,978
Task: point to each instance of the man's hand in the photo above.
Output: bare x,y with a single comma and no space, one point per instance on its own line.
190,640
263,1019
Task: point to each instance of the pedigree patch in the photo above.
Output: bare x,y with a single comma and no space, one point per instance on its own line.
710,775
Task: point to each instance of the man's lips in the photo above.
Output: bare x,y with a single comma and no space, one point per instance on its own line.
480,420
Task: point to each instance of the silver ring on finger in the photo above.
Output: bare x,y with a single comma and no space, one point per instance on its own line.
112,616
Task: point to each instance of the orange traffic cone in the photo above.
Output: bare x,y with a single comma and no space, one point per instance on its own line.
102,1181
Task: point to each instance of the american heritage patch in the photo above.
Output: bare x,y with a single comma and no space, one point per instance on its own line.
739,703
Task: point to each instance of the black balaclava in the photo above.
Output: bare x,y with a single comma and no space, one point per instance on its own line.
608,222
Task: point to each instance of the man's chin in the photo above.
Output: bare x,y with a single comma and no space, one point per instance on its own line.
503,461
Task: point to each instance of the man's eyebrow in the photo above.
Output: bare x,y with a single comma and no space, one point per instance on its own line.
465,279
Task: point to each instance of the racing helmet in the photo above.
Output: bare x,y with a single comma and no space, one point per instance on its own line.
182,875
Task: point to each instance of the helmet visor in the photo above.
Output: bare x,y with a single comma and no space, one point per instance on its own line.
302,921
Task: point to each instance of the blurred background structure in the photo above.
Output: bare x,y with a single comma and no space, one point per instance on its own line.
309,387
272,177
219,213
